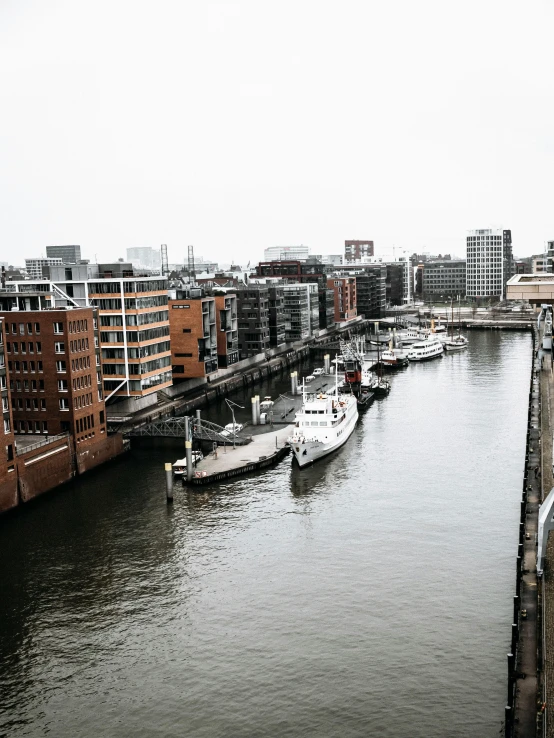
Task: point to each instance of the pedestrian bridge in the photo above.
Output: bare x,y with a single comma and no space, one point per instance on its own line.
202,430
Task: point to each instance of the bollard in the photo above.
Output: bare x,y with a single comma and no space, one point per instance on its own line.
507,721
327,364
169,483
294,383
254,416
516,609
199,419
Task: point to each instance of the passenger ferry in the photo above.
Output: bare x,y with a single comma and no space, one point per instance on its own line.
323,424
430,348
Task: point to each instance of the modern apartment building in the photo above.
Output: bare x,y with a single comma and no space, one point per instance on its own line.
286,253
227,329
253,319
443,279
193,337
277,334
489,263
132,317
357,251
310,272
345,297
296,311
35,268
68,254
371,292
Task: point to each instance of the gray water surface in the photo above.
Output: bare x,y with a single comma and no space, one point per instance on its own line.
369,595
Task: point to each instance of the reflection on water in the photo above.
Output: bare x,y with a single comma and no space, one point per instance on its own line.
367,595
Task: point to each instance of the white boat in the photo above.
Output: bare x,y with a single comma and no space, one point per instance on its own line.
232,429
452,342
412,335
180,466
266,404
323,424
456,343
318,371
430,348
394,357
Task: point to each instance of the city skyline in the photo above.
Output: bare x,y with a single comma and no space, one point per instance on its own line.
284,132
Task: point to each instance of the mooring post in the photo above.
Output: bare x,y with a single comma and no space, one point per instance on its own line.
327,363
188,448
199,419
254,416
168,483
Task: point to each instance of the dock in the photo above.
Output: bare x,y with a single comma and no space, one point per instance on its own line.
265,450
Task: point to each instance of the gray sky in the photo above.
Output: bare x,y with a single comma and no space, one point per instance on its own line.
239,125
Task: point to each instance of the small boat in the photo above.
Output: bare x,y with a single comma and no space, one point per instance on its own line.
266,404
456,344
317,372
452,342
232,429
180,466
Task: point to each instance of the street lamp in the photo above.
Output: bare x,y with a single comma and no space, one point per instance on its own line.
231,405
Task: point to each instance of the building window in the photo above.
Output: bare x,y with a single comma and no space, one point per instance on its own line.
62,385
64,403
60,366
59,347
58,327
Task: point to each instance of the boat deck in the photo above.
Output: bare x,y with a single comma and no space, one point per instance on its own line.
265,450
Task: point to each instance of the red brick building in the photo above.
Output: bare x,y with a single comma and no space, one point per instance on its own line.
54,378
8,474
193,337
357,251
345,297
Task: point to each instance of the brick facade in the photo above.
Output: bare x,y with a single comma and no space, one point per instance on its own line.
54,377
192,331
345,297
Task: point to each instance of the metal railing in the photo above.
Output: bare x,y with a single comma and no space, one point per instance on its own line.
43,442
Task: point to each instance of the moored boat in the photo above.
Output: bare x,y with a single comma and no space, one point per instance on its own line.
180,466
322,425
430,348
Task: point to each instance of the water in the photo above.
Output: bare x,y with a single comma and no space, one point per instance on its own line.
369,595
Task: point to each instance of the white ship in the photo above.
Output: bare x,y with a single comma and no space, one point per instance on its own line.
323,424
456,343
430,348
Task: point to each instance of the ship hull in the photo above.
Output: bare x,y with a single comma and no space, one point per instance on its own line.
308,452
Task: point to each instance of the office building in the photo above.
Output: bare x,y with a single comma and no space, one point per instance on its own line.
489,263
443,279
68,254
357,251
286,253
38,268
253,319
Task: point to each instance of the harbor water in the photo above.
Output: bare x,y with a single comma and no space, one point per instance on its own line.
368,595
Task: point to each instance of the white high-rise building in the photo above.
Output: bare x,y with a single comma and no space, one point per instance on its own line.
489,263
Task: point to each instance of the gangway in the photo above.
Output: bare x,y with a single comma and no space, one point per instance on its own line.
203,430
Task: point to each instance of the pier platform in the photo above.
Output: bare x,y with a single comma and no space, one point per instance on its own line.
266,449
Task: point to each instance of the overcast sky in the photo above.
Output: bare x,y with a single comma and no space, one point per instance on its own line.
235,126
